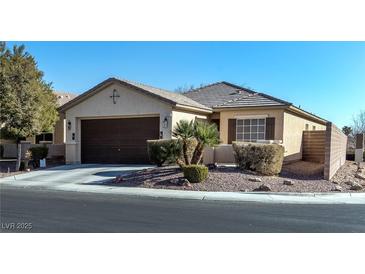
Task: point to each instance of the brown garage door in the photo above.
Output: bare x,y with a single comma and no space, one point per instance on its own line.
117,141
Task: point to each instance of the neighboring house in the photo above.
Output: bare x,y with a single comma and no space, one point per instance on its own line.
111,122
55,137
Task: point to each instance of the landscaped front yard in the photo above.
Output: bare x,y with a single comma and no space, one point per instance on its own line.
233,179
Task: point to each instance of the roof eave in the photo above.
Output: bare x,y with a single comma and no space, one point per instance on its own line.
307,114
202,110
219,108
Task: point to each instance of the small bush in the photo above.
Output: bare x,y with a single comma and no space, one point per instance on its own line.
38,153
168,151
195,173
163,151
266,159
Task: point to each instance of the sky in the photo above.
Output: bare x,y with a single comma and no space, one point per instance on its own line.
325,78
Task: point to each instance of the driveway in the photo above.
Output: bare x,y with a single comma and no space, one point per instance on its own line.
71,177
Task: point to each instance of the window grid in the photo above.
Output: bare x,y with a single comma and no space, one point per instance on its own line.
250,130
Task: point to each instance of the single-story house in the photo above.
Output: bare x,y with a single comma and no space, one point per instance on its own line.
111,122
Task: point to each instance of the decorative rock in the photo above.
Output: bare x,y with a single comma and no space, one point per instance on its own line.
356,186
183,181
335,182
187,184
263,187
360,176
288,182
337,188
258,180
175,181
349,183
244,190
27,170
212,166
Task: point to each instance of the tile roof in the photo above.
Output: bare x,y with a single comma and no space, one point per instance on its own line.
161,94
224,94
175,97
64,97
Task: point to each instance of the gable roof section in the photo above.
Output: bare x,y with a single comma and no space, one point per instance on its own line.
251,100
64,97
224,95
217,93
163,95
227,95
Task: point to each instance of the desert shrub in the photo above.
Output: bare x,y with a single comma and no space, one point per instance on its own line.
195,173
266,159
163,151
38,153
169,151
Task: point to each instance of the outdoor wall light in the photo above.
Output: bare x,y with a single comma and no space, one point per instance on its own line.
165,123
69,125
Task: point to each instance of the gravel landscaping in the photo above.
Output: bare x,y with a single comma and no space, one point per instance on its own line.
232,179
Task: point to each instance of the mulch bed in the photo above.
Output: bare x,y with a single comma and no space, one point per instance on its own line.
234,180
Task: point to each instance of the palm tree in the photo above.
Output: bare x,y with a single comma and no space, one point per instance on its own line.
184,130
207,135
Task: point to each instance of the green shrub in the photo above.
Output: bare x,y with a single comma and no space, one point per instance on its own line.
266,159
163,151
38,153
195,173
168,151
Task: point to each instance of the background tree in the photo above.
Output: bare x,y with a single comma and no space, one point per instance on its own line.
359,122
347,130
27,103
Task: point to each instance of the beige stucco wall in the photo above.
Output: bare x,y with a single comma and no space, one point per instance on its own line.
178,115
131,103
268,112
59,134
294,125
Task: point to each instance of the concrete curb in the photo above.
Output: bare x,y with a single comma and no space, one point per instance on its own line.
272,197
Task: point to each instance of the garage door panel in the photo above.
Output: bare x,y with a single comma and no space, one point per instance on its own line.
117,140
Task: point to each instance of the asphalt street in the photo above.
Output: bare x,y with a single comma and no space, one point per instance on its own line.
44,210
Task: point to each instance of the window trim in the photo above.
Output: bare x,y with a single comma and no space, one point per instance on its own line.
243,132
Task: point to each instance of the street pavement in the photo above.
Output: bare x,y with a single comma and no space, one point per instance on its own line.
35,209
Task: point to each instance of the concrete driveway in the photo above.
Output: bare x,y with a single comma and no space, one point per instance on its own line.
71,177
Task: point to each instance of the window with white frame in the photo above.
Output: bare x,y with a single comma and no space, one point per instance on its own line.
250,130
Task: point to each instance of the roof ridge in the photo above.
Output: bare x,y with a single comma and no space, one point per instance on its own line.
239,87
205,86
160,89
274,98
237,98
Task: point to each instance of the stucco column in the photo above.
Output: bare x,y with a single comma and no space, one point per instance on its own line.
359,149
